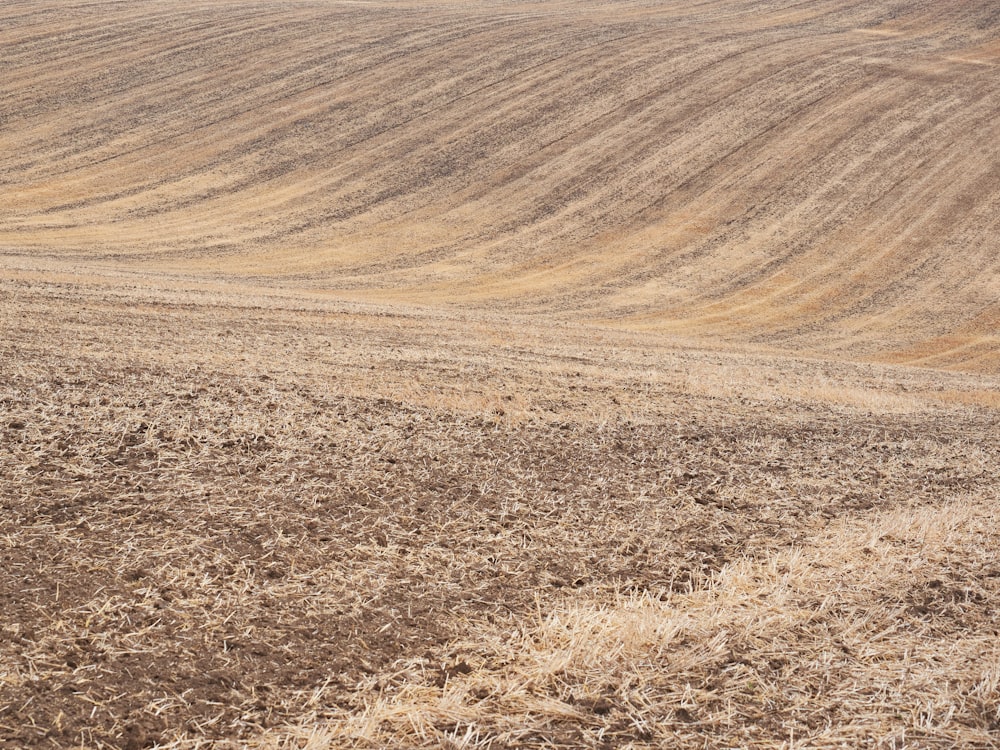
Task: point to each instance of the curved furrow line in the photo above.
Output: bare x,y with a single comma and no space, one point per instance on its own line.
583,136
808,173
662,149
280,81
893,272
420,114
97,94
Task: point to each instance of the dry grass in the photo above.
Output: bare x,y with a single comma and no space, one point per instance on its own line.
233,520
499,374
871,633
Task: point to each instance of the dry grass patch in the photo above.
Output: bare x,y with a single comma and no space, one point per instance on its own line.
877,632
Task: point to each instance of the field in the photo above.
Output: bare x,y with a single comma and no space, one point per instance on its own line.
499,374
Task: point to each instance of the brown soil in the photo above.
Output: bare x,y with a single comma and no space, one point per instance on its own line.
477,374
219,518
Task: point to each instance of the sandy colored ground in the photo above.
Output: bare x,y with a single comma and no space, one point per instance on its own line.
821,176
528,374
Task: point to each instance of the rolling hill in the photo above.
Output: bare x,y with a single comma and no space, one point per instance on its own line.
819,176
535,374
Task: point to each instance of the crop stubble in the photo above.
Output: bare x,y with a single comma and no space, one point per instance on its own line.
817,176
456,374
225,514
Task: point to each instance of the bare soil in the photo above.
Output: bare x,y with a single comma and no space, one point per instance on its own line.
499,374
218,518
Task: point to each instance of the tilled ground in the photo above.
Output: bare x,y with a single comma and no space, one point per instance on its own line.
630,478
821,175
211,551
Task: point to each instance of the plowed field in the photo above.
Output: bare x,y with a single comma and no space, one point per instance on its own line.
499,374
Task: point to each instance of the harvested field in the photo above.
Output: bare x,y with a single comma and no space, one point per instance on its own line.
819,175
524,374
244,519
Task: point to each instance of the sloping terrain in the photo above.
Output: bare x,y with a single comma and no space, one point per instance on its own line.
239,517
499,374
820,175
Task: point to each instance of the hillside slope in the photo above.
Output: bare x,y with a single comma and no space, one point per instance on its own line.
822,176
491,374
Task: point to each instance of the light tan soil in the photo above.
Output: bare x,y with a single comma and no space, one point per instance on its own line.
528,374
